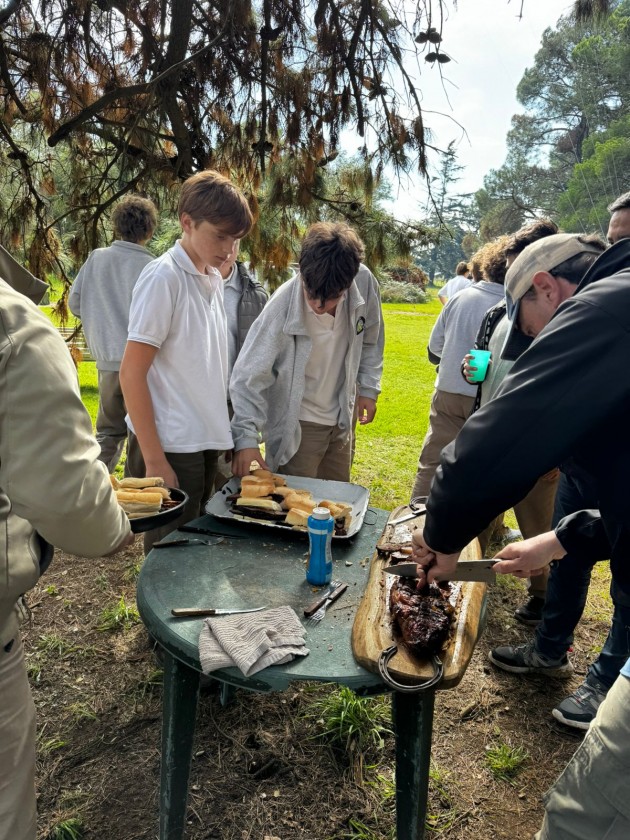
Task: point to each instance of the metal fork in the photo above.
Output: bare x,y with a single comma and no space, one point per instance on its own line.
321,612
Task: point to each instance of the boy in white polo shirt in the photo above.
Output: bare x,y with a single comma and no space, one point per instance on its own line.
318,341
174,371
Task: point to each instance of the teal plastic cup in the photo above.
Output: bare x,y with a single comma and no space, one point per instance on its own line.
480,360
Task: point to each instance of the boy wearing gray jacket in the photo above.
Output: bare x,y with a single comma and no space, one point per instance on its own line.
315,349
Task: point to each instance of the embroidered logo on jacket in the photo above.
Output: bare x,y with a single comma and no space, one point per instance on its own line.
360,325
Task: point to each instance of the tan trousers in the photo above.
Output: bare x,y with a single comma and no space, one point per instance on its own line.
591,798
195,472
324,452
17,747
533,515
448,414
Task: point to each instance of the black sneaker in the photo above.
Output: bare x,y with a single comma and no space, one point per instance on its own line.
580,708
530,612
525,659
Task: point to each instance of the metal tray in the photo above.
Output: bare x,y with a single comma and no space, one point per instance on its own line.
334,491
163,517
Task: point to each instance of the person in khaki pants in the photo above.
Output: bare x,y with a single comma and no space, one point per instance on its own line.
535,511
318,342
53,491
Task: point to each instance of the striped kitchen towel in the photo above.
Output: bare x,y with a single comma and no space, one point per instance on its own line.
251,642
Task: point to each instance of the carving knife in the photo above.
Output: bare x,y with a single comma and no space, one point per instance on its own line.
480,570
193,612
419,511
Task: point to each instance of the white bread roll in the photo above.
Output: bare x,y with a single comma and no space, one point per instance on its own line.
267,475
303,503
256,490
297,518
143,497
253,501
139,483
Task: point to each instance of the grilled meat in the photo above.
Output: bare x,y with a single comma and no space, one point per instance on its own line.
422,616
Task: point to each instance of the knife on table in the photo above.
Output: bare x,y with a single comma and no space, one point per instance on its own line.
480,570
330,593
193,612
417,512
193,529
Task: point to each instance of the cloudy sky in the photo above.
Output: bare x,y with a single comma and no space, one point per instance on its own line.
490,47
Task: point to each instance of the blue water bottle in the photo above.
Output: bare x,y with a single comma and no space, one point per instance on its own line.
320,531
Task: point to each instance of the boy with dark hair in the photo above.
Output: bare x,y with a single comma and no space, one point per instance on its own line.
101,296
174,371
318,340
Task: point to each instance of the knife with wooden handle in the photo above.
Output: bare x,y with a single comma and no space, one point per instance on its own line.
330,594
194,612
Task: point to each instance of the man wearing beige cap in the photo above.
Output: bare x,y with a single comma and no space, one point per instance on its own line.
568,396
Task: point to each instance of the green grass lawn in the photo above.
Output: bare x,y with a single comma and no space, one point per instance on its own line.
387,450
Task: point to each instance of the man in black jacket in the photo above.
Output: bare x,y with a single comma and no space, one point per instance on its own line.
568,396
559,392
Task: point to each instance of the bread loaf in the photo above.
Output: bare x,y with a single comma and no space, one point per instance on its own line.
255,488
138,483
141,497
298,502
253,501
297,518
288,491
266,474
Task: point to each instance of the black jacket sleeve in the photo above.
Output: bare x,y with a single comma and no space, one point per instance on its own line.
572,378
583,535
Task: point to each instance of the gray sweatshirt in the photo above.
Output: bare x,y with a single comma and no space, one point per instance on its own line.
455,331
267,385
101,296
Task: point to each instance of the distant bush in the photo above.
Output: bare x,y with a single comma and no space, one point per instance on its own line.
394,292
408,274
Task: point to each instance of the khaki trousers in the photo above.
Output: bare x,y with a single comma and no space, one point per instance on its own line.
448,414
18,814
324,452
195,472
111,429
591,798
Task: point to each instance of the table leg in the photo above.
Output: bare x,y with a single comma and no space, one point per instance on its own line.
181,691
412,715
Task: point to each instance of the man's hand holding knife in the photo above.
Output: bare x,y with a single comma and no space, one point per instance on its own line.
521,559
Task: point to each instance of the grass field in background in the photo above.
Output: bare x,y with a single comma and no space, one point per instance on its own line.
387,450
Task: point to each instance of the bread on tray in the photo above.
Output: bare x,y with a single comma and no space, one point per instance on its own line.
260,496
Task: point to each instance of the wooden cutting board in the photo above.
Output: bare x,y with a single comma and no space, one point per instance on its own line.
372,630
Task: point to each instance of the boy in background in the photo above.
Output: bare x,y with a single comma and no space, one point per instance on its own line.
244,299
319,340
101,297
175,367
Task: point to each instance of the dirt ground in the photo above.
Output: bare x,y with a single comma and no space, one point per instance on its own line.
260,770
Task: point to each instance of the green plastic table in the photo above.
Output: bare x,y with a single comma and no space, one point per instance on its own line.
268,568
